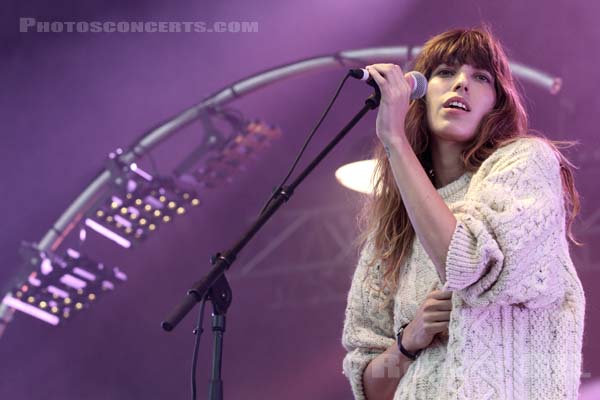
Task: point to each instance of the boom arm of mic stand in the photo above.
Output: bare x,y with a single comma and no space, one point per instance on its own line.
195,294
225,260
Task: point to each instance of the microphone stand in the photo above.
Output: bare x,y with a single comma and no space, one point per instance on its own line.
214,284
221,295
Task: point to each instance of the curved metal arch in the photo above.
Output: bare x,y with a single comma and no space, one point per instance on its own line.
401,54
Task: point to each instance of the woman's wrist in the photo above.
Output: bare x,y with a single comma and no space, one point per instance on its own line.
405,346
409,346
397,146
399,139
407,339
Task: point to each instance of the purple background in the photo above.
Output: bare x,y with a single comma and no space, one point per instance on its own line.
69,99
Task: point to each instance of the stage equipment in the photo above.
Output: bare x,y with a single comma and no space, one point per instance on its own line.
357,176
60,287
138,205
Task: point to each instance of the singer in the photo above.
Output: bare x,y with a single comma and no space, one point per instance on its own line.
465,288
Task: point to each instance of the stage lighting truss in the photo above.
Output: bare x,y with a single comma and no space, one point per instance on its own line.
134,206
139,205
60,287
231,155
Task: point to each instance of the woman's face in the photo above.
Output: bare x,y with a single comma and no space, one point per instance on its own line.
457,99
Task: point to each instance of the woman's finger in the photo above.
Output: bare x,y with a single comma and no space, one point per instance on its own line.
396,77
442,305
440,294
436,327
437,316
376,75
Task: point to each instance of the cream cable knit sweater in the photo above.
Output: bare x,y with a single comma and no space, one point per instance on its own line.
517,317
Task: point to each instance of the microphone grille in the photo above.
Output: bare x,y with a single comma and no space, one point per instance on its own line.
420,85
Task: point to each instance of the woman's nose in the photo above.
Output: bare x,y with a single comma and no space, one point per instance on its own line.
461,81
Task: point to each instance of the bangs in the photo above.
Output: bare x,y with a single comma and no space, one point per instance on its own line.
458,48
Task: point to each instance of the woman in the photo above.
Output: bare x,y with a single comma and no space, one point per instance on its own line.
465,288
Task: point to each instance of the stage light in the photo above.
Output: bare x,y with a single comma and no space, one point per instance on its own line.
138,206
60,285
357,176
230,158
107,232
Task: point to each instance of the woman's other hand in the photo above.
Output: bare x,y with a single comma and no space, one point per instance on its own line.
432,317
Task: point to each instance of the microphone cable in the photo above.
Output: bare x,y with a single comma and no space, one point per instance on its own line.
305,145
198,332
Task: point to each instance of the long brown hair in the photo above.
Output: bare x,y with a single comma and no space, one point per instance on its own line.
384,220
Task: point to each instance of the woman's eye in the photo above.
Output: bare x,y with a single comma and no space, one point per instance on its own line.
483,78
445,72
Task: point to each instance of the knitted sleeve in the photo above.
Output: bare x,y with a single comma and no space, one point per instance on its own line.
510,230
368,326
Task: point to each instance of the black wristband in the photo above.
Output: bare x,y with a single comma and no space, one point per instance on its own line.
407,353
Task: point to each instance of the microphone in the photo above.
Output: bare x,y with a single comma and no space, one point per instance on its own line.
416,80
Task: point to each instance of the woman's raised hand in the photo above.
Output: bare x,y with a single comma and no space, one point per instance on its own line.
395,95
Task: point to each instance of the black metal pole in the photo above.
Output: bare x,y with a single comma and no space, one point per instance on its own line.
215,385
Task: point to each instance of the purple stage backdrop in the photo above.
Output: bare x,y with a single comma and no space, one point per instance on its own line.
69,98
